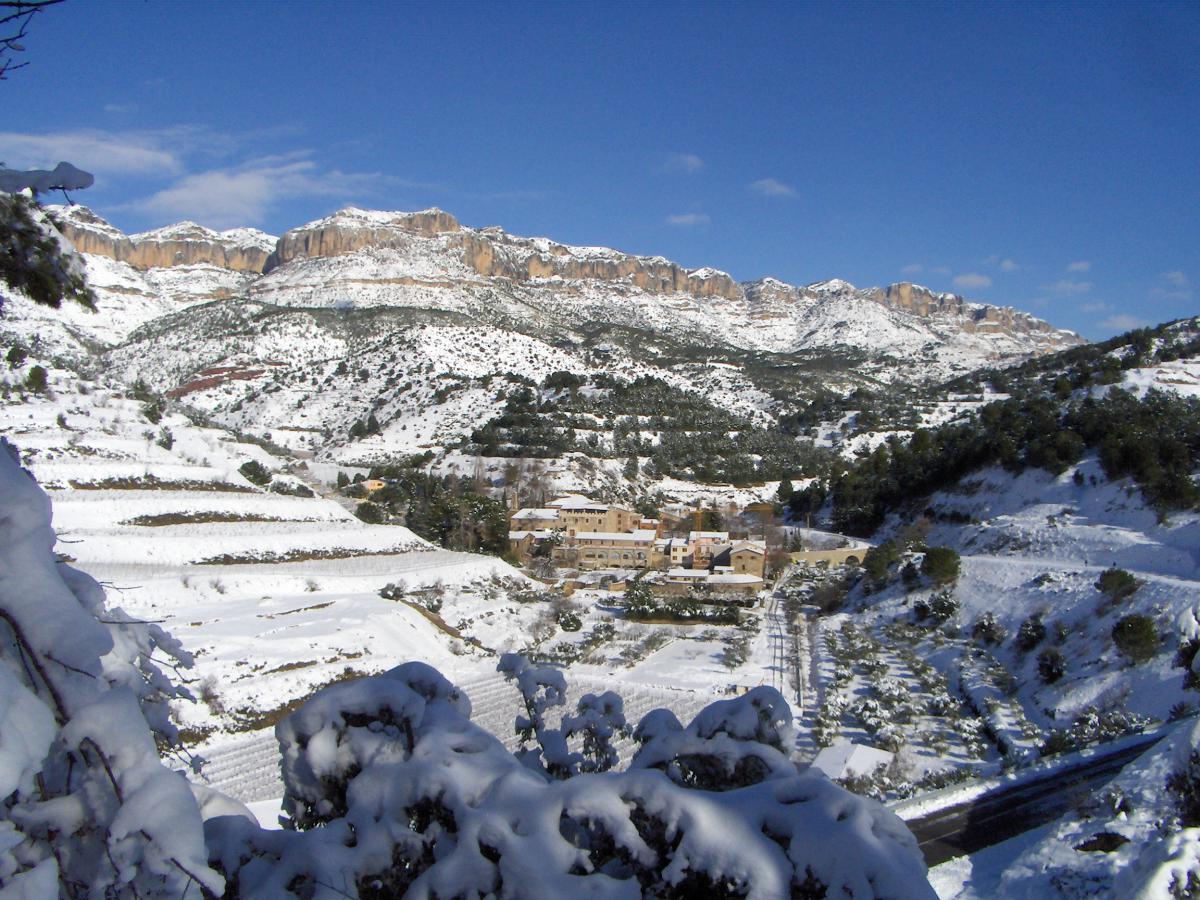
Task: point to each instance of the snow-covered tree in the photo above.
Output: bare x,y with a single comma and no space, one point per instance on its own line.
87,808
35,258
394,791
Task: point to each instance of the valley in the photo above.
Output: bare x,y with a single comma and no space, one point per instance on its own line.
237,457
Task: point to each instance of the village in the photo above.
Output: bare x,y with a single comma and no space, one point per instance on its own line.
601,545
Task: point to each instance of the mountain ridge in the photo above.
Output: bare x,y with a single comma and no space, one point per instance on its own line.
461,252
428,327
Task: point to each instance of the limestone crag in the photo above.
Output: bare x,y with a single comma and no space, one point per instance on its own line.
770,298
188,244
920,301
496,254
185,244
427,259
352,230
493,253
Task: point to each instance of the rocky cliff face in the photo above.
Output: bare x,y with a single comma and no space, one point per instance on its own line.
497,254
920,301
185,244
427,259
352,230
493,253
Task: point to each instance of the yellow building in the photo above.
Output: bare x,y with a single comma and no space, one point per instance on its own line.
577,513
606,550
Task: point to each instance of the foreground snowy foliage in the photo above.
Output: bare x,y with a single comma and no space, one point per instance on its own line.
88,808
399,792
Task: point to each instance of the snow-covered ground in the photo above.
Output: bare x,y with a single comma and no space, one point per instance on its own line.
274,594
277,594
1122,841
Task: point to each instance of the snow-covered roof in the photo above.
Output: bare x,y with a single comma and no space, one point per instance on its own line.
844,759
751,546
734,578
709,536
598,575
535,514
641,536
689,574
538,535
577,501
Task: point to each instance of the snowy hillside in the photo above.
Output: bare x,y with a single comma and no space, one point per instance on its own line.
423,304
275,593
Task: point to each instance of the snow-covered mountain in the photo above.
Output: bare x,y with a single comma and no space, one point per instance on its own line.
423,312
427,260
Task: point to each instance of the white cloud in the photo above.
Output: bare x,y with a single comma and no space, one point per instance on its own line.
1122,322
912,269
224,198
1081,265
137,153
1096,306
1069,286
687,163
1172,286
1004,265
972,281
689,220
772,187
940,270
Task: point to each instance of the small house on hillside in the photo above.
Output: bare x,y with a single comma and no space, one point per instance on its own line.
747,557
534,519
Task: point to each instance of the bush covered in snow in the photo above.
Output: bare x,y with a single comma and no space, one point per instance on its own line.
1031,633
35,258
988,630
255,472
1136,638
941,564
394,790
88,808
1116,584
1052,665
1183,786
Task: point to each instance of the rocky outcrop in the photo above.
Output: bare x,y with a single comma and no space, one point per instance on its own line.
492,253
240,250
920,301
187,243
352,230
89,233
770,298
387,252
498,255
974,317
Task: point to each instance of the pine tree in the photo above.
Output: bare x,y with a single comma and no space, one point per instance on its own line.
36,380
631,468
785,491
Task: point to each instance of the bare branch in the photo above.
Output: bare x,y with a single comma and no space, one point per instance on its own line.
18,14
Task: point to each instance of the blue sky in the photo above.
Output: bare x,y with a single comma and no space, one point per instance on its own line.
1043,156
